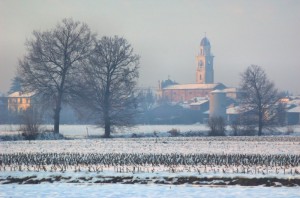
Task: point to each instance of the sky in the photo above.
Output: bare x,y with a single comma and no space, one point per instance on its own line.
167,34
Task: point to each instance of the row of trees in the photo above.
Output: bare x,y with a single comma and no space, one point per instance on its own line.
67,64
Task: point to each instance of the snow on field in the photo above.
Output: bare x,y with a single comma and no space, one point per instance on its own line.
184,145
159,177
271,156
124,191
55,179
79,131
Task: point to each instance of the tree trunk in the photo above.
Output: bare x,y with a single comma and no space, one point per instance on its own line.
107,108
57,114
106,119
106,113
107,129
260,123
56,119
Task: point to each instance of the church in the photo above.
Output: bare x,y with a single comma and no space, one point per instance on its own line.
204,79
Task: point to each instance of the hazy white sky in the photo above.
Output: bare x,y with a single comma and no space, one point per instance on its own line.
167,34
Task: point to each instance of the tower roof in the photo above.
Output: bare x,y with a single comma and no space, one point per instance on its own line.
204,42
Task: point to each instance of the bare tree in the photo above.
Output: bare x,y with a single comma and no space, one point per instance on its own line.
15,85
108,83
217,126
50,65
260,96
146,100
244,125
31,120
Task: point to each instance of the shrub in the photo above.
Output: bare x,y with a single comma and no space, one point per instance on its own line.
289,130
247,130
30,124
49,135
243,126
217,126
174,132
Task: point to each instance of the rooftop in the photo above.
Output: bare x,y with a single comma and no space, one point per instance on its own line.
232,90
237,110
198,103
218,91
294,110
193,86
205,42
19,94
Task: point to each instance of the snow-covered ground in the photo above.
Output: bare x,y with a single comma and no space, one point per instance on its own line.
205,156
79,131
151,180
125,190
180,145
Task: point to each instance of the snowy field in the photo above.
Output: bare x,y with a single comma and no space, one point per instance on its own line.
271,156
179,145
267,166
82,131
127,191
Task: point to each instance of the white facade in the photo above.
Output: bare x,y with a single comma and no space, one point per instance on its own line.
217,104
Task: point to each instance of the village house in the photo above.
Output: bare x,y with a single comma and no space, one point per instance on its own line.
19,101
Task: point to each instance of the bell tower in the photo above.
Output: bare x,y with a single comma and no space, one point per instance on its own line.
205,69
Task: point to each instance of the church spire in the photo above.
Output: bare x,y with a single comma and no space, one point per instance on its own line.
205,72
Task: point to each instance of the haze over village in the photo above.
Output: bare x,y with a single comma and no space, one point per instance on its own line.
167,34
176,97
208,43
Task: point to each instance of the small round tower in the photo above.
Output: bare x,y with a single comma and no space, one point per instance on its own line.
217,104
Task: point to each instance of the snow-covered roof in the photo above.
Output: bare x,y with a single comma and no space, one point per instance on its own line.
193,86
199,98
237,110
232,90
294,97
294,110
19,94
233,110
198,102
296,101
218,91
184,105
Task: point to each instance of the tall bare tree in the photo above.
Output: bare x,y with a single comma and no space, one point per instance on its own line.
15,85
50,65
109,81
260,96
